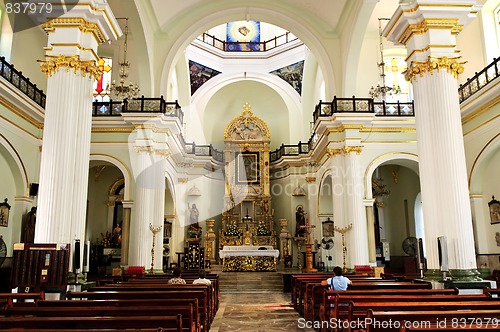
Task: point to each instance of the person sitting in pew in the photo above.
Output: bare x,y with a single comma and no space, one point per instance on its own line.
338,281
177,280
201,279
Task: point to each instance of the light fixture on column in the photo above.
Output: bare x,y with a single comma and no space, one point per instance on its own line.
122,89
381,91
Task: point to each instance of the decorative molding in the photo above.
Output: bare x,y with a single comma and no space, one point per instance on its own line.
238,128
420,68
430,23
334,152
310,179
165,153
98,172
114,186
182,180
53,63
74,22
146,149
349,149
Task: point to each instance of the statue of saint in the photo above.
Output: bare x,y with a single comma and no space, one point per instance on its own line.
300,220
28,235
194,227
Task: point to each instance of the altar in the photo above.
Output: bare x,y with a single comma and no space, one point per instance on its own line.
249,258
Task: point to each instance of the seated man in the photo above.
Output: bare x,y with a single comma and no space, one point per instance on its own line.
338,281
201,279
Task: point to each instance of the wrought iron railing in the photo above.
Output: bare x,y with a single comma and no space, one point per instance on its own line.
479,80
289,150
142,104
204,151
246,46
16,78
362,105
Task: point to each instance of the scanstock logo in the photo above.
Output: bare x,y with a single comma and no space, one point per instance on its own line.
26,14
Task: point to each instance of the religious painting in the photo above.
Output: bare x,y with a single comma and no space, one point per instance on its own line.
292,74
247,168
4,213
494,207
243,36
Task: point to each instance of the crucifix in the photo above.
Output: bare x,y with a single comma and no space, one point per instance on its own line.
155,230
342,231
309,257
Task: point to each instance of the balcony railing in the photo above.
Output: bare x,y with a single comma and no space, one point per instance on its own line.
479,80
204,150
21,82
289,150
142,104
246,46
362,105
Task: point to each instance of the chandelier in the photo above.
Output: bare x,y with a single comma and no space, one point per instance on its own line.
123,90
381,91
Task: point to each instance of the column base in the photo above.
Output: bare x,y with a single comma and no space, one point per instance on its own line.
454,275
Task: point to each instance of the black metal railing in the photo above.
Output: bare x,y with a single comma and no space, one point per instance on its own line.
142,104
479,80
16,78
289,150
362,105
204,151
247,46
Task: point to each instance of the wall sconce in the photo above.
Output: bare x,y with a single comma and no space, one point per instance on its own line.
194,191
298,191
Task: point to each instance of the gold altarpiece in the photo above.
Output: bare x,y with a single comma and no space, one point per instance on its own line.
247,218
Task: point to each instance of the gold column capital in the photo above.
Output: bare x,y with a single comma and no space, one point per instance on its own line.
144,149
71,62
310,179
334,152
349,149
182,180
451,65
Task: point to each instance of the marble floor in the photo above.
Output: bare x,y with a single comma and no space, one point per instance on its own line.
254,302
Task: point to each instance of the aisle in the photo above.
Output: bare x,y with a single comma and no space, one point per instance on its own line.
254,302
256,312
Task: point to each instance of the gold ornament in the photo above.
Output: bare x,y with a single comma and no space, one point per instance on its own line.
54,63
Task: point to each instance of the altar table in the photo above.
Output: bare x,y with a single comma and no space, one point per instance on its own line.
249,258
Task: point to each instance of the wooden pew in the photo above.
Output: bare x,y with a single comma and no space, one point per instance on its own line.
337,299
173,323
23,296
391,321
491,292
209,298
200,295
186,311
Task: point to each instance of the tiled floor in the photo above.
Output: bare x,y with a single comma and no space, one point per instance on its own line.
254,302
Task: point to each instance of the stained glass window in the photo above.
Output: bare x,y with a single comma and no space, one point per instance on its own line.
100,91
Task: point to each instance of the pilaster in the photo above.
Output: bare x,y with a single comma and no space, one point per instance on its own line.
338,199
429,32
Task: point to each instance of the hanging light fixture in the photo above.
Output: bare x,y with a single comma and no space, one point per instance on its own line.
381,91
123,90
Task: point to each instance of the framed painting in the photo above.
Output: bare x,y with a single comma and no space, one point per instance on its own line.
494,207
247,168
4,213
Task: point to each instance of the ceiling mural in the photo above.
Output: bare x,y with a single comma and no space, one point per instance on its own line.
199,74
292,74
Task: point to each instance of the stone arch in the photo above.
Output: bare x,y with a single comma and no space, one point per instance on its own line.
16,165
480,163
397,158
122,167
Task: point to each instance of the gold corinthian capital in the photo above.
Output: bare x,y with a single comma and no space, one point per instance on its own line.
451,65
70,62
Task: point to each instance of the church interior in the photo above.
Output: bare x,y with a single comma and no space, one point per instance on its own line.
263,142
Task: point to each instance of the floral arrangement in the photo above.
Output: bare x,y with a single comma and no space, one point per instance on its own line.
107,240
262,230
232,230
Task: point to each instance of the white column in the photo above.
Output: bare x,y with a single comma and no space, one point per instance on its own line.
127,212
148,207
338,200
357,238
181,218
71,68
370,227
482,222
429,32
